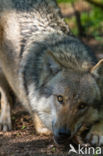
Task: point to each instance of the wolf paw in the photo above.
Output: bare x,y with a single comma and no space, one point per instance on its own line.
95,139
39,126
5,122
95,136
43,131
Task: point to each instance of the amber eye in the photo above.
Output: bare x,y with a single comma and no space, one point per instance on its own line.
60,99
82,106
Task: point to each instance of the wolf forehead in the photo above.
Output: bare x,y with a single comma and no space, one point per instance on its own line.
76,86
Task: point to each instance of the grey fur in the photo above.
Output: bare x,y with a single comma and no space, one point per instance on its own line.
41,59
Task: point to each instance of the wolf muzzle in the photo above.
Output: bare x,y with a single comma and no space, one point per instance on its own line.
61,135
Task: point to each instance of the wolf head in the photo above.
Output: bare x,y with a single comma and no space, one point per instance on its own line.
64,88
75,101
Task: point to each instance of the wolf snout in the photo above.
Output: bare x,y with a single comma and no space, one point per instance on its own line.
62,132
61,135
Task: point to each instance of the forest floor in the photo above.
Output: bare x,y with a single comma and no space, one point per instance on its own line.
22,140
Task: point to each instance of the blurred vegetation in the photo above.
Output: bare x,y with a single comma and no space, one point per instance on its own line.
88,23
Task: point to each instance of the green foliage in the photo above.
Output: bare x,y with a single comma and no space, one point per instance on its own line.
23,127
91,20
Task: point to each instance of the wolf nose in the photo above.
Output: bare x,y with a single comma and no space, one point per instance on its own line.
64,132
62,136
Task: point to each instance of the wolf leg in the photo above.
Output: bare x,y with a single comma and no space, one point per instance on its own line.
95,136
5,101
5,116
39,127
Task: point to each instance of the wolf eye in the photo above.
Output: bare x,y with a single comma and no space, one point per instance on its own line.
82,106
60,99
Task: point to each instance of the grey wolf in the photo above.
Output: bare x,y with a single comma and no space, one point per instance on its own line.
53,74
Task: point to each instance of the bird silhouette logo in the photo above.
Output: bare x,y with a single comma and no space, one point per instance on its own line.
72,149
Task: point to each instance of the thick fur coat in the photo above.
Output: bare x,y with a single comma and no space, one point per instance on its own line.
53,74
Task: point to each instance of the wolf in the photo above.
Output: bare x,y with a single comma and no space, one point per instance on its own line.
54,75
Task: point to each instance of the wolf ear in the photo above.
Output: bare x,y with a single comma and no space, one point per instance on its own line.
97,70
50,68
52,64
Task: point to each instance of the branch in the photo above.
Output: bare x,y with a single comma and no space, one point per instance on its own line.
81,29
